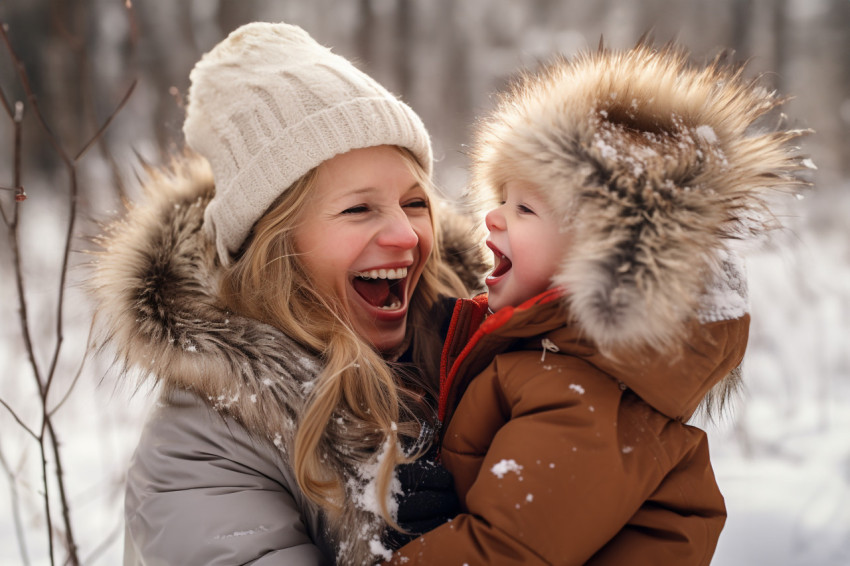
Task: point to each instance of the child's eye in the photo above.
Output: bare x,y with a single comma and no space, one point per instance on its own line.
359,209
418,203
522,209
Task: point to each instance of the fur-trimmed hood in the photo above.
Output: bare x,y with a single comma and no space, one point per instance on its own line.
155,282
654,165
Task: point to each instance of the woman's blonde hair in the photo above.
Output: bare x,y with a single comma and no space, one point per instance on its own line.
269,283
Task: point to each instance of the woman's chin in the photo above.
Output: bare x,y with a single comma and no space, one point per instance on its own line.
385,340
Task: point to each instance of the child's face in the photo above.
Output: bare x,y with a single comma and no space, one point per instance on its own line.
528,245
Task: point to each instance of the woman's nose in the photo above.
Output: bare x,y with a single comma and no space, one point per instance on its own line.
495,220
398,232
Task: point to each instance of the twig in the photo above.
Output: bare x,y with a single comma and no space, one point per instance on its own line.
108,121
31,98
16,255
63,496
47,515
16,510
105,544
76,376
43,387
45,382
5,104
16,117
63,276
18,419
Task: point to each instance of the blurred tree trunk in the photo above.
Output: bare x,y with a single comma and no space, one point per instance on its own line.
365,30
167,49
742,23
841,19
404,36
780,42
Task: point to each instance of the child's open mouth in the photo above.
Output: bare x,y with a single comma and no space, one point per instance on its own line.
382,288
503,264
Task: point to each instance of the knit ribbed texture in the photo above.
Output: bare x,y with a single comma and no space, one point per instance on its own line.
267,105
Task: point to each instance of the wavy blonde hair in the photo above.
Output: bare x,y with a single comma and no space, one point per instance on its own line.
268,282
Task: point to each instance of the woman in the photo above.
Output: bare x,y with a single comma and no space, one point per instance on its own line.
275,287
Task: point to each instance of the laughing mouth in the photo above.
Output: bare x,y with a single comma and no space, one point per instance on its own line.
382,288
504,263
503,267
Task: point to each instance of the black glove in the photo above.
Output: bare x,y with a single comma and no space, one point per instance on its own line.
427,499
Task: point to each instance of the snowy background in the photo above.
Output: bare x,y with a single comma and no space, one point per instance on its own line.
782,456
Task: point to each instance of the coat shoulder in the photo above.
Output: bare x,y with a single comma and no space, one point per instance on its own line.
191,463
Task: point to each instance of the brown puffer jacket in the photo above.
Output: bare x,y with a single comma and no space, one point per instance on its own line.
563,456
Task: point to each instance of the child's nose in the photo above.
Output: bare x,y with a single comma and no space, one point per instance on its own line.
495,220
398,232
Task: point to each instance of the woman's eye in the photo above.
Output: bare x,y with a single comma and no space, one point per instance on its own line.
359,209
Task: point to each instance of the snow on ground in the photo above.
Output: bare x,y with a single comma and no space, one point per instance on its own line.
784,465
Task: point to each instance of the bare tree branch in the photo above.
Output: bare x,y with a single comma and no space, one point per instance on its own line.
46,436
16,509
15,416
113,536
63,276
108,121
46,499
6,105
16,117
76,376
32,99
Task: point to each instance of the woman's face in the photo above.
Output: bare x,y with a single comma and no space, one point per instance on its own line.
365,236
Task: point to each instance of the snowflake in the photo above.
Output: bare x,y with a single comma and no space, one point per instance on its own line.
503,467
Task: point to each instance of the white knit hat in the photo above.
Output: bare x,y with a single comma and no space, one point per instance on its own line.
267,105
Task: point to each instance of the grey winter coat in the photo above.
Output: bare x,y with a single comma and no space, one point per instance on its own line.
193,463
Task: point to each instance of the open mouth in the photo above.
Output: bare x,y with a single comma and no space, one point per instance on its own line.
503,267
382,288
503,264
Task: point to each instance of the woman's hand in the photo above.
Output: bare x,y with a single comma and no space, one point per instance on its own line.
427,499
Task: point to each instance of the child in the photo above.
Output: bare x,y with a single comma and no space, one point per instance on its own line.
617,307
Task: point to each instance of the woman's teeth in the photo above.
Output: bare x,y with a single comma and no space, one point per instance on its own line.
399,273
381,288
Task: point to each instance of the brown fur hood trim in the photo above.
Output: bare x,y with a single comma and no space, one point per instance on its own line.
654,165
155,281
